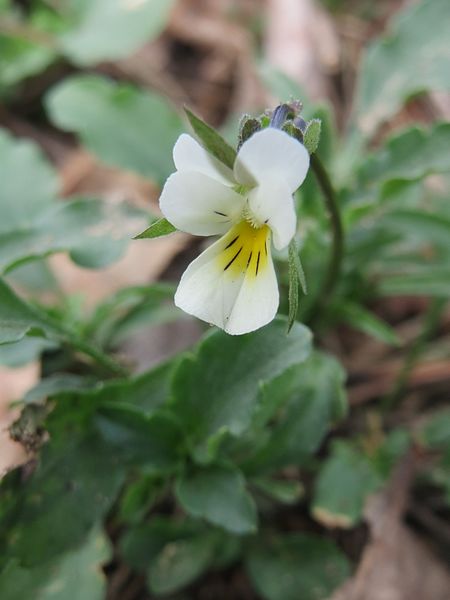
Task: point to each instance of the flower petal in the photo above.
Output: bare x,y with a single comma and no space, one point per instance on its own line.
233,283
272,154
197,204
272,203
189,155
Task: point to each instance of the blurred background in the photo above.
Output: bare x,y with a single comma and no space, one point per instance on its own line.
100,86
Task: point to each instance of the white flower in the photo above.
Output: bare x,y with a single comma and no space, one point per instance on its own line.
233,283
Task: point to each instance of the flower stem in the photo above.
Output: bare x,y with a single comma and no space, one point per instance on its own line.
337,249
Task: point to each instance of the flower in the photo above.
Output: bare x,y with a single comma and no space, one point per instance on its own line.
233,283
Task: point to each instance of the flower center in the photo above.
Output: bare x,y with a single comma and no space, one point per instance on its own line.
245,249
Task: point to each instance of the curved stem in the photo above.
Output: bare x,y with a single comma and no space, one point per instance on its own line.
337,249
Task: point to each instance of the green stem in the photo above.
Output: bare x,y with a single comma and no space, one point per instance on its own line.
102,359
337,248
431,321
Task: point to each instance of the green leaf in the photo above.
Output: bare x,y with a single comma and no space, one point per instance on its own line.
427,281
153,441
311,137
24,351
180,563
413,57
218,494
357,317
29,184
216,389
17,318
296,274
212,141
141,544
77,477
344,483
296,566
69,227
409,155
436,432
312,397
76,575
111,29
280,490
157,229
120,124
34,224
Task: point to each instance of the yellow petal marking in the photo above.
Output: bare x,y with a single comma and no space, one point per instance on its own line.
245,249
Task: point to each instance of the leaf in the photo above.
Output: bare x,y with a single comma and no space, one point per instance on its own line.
141,544
23,352
357,317
409,155
76,575
77,476
296,274
212,141
157,229
34,224
87,229
180,563
218,494
412,58
151,441
436,432
111,29
427,281
122,125
29,184
312,398
280,490
216,389
296,566
17,318
345,481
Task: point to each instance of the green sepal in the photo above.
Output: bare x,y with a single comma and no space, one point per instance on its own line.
311,136
157,229
212,141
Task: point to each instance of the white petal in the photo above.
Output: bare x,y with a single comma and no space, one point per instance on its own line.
189,155
272,153
200,205
272,203
238,294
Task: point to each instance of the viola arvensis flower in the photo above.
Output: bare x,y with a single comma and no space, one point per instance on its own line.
233,283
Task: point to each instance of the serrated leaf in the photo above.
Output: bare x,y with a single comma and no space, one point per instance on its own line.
313,398
111,29
118,123
345,481
413,57
212,141
296,566
218,494
216,390
157,229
